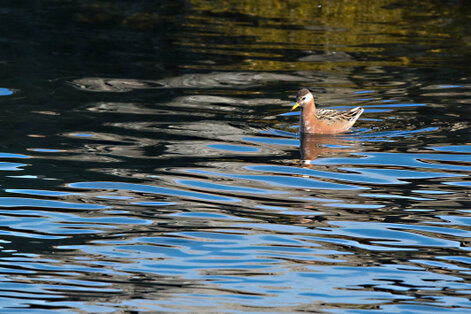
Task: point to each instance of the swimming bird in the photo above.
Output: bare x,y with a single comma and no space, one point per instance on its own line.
323,121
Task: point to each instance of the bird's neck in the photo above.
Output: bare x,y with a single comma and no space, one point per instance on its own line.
308,114
309,108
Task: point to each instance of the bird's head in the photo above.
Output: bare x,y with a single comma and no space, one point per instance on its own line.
303,97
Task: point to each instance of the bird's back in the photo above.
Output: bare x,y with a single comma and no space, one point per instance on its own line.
329,121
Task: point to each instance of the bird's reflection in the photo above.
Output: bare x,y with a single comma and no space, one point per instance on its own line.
314,145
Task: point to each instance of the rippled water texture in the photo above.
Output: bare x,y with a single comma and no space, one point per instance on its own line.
150,161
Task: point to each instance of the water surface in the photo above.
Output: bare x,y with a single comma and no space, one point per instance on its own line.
150,161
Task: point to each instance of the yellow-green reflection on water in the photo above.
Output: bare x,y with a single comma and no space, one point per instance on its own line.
266,28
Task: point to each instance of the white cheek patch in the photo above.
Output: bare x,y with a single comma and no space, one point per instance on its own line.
308,98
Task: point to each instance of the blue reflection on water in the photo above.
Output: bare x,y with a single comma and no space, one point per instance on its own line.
400,160
234,148
454,148
5,91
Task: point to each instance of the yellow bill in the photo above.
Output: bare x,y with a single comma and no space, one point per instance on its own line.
296,105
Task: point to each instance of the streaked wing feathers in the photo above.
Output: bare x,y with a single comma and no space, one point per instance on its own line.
333,116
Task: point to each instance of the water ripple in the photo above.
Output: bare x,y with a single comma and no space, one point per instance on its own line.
150,189
284,181
400,160
30,202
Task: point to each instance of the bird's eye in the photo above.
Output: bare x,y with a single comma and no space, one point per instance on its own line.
304,98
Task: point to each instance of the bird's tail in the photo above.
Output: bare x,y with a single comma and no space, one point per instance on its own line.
355,113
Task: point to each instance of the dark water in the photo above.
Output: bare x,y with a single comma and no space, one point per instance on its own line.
150,162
